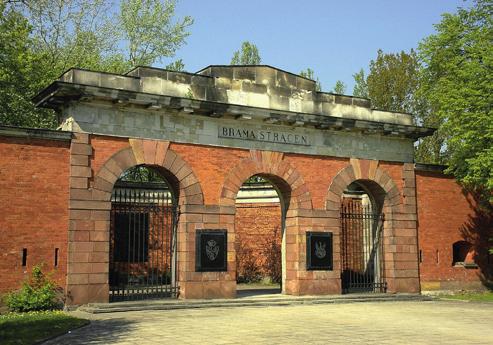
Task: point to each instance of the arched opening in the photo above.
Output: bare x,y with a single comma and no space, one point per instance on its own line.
362,254
143,223
261,205
463,254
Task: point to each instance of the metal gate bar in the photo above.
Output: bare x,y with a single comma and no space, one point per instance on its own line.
142,242
362,249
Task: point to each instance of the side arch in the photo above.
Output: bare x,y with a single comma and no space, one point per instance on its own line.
270,164
399,228
153,153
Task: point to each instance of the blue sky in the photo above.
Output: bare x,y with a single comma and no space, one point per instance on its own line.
334,38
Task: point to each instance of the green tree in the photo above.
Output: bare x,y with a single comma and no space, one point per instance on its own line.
149,31
310,74
20,75
247,55
44,38
360,87
393,80
339,87
177,66
457,79
393,84
69,33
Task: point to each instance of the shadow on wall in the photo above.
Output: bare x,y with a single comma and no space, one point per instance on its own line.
478,231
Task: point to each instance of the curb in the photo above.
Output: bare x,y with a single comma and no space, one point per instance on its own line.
201,304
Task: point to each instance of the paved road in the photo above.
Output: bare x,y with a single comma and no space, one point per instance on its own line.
437,322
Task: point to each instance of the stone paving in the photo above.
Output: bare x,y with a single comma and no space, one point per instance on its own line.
435,322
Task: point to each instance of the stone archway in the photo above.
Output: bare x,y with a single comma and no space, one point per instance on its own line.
400,229
90,205
152,153
296,199
272,164
362,170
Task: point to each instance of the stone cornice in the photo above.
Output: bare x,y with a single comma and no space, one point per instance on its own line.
61,93
35,133
440,168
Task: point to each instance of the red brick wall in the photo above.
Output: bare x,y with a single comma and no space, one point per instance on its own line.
34,193
212,167
34,208
211,164
257,231
447,214
34,202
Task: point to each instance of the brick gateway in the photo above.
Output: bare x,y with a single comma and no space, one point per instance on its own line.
207,133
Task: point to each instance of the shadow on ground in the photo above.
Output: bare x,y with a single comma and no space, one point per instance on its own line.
98,332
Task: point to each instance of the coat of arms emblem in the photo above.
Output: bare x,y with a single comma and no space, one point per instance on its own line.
320,251
212,249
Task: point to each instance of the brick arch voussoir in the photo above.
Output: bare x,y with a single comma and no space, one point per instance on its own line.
124,159
384,180
111,170
283,170
348,175
343,178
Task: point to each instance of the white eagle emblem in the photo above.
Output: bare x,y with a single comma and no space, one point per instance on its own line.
320,251
212,249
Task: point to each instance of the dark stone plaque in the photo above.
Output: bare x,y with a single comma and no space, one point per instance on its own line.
211,250
318,251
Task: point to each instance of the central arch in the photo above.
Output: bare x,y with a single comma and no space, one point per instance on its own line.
259,227
270,164
294,195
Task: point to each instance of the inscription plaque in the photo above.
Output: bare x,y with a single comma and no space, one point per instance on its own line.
318,251
269,136
211,248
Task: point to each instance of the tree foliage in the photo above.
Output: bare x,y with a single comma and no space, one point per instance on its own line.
339,87
360,86
447,84
310,74
247,55
20,74
394,84
393,80
457,80
148,29
42,39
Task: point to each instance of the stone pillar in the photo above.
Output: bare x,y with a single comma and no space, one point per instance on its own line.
197,285
404,272
88,240
300,281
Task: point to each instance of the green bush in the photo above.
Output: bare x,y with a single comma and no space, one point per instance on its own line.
39,293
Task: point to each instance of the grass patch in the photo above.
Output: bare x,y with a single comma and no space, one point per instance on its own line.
33,327
472,296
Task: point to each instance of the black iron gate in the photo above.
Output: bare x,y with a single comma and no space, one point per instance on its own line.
362,248
142,242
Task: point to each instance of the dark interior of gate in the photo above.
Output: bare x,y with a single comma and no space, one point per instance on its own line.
258,236
362,242
142,236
